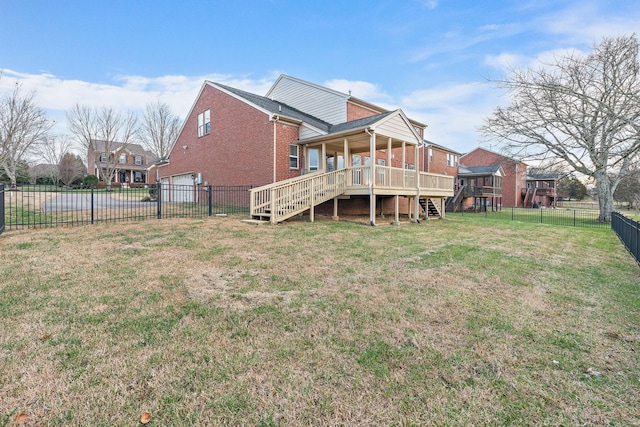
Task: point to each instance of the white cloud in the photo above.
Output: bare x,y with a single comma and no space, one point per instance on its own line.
57,95
453,113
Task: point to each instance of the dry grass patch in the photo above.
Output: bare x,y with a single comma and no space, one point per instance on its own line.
216,322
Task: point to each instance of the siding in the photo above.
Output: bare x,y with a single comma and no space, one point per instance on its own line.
397,128
322,103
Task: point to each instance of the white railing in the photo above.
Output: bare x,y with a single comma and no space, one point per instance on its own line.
284,199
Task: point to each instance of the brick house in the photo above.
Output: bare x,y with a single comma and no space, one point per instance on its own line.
514,179
308,147
541,190
132,163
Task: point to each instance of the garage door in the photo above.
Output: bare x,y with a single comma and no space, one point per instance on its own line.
164,184
182,188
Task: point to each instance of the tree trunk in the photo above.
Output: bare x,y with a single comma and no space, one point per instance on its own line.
605,196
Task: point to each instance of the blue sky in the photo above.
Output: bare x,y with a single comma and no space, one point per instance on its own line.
429,57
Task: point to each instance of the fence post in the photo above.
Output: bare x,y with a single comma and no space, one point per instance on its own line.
2,224
210,192
92,204
512,213
540,215
159,199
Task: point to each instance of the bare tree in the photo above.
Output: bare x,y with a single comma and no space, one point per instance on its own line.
581,110
23,125
159,129
52,150
71,168
103,134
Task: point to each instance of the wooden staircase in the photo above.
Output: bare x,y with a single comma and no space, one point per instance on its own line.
281,200
453,203
430,208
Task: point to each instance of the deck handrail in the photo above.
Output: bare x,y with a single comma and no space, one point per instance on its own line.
284,199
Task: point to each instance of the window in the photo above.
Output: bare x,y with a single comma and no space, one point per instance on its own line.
137,160
103,157
430,154
204,123
452,159
137,176
123,158
293,156
314,158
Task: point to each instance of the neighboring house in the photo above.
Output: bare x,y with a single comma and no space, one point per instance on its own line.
309,147
515,174
439,159
541,190
132,163
478,187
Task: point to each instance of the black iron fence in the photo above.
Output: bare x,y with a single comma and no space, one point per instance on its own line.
628,232
36,206
563,217
1,208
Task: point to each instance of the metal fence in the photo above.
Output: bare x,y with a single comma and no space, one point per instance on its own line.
1,208
562,217
37,206
628,232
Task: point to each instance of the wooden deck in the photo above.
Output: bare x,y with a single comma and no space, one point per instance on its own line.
281,200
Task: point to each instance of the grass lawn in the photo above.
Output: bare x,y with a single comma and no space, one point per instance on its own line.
215,322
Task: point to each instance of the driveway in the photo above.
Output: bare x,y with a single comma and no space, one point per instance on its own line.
67,202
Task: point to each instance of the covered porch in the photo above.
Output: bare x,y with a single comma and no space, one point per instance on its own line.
364,151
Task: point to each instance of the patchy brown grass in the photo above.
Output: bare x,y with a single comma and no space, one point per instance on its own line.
217,322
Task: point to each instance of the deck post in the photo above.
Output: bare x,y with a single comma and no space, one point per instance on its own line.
335,216
372,196
396,221
312,201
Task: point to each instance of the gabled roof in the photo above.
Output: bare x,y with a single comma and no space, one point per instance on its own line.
441,147
501,157
275,107
135,149
480,170
542,177
359,123
392,123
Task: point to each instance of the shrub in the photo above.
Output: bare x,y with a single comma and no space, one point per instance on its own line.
90,180
153,193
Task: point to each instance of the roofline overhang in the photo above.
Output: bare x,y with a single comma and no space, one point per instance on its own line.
330,136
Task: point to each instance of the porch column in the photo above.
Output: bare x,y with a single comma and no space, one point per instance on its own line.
347,160
372,196
323,161
335,216
305,153
404,160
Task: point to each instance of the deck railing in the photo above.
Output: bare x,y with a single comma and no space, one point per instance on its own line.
284,199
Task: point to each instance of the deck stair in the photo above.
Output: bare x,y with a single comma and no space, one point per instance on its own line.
284,199
430,208
453,203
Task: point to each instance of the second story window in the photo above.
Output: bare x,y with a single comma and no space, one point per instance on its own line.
104,157
123,158
204,123
430,154
137,160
